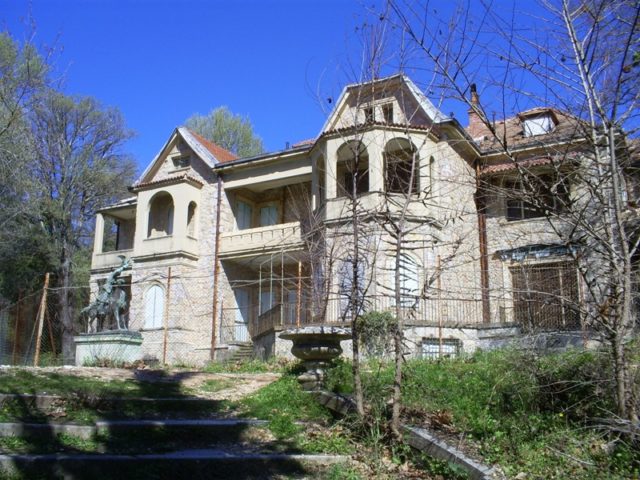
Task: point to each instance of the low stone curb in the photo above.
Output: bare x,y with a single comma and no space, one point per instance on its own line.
422,440
418,438
334,402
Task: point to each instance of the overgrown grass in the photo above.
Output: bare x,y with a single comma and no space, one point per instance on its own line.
272,365
532,414
292,414
85,400
19,381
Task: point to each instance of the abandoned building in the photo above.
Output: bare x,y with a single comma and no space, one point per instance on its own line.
230,251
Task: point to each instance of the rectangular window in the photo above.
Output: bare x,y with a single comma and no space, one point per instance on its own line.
433,349
266,301
545,296
537,125
182,161
535,198
268,215
244,215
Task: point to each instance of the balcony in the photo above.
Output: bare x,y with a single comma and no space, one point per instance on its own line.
167,246
371,203
262,240
108,260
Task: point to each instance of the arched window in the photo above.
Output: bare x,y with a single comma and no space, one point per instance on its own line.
153,307
353,166
160,215
191,219
402,167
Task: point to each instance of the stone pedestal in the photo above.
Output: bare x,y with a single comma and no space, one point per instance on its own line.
117,346
316,346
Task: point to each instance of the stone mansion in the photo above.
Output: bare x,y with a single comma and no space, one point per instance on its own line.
228,251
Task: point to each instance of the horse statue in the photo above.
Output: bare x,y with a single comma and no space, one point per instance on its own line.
110,300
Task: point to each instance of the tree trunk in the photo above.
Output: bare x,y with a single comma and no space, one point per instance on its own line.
66,307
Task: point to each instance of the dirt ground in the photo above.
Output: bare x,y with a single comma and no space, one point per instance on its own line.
240,384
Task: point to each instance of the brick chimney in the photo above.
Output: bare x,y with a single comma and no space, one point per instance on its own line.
477,123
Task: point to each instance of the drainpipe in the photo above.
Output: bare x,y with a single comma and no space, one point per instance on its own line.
484,257
216,271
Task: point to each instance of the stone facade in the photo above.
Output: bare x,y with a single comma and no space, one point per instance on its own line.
285,238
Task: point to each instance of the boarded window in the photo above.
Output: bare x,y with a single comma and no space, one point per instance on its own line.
545,296
154,307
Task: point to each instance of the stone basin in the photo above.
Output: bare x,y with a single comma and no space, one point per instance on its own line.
317,346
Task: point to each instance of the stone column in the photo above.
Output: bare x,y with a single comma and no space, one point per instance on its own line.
331,168
98,238
375,149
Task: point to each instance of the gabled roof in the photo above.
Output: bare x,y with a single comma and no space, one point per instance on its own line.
210,153
429,108
217,151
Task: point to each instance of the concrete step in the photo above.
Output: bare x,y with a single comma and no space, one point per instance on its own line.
192,464
213,430
34,406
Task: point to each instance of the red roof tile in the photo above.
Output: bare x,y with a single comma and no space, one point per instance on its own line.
511,131
309,141
502,167
166,181
217,151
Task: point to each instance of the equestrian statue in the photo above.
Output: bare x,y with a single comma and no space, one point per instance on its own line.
110,300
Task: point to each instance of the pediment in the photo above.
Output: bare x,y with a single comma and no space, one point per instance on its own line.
393,100
184,153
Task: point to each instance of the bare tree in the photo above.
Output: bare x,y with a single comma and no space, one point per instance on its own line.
78,167
583,58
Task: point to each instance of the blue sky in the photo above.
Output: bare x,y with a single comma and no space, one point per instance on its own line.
161,61
276,61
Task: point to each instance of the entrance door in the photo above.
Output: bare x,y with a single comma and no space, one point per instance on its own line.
241,331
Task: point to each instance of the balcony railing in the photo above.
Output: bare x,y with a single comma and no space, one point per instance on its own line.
261,240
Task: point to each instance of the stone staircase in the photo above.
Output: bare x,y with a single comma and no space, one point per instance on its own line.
242,353
165,446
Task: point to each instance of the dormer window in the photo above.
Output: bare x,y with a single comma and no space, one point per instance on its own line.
181,161
369,114
387,112
539,124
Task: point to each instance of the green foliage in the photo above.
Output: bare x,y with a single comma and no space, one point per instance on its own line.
340,377
376,332
284,398
342,471
292,414
249,366
213,386
228,130
526,412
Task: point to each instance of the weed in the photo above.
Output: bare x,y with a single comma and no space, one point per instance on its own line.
249,366
342,471
212,386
